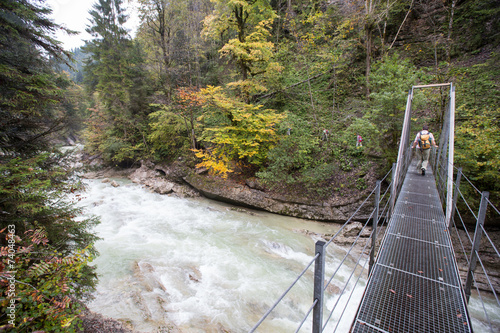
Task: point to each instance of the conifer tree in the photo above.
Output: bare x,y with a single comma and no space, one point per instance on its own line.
114,71
44,250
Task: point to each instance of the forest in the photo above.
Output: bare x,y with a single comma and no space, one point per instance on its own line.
275,90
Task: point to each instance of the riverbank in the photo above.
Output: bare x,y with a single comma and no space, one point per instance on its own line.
177,179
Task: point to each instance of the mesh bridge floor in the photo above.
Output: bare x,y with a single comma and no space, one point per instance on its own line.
415,286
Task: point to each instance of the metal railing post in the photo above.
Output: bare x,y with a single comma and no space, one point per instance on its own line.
375,222
455,197
319,278
393,191
451,153
475,245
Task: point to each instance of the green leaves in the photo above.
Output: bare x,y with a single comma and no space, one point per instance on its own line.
250,49
169,134
478,144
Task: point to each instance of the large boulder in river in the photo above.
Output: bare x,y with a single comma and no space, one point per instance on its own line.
159,179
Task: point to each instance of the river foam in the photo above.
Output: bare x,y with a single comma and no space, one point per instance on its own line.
196,264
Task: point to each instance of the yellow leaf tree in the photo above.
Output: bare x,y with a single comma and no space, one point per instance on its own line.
235,132
246,23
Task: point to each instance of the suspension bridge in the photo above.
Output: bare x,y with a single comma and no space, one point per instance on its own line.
413,281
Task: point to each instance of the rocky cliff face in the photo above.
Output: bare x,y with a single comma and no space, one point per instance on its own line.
244,195
175,179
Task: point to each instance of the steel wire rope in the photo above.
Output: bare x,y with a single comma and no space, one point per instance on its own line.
468,263
357,210
386,219
348,252
491,242
465,228
350,218
307,315
461,243
305,269
355,284
387,202
482,302
441,180
310,309
345,257
492,205
487,277
387,174
465,177
345,286
466,203
283,295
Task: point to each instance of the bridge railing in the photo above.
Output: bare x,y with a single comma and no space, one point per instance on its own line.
359,255
465,208
474,245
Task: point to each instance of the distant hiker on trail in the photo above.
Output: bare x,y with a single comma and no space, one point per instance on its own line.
359,140
423,142
324,137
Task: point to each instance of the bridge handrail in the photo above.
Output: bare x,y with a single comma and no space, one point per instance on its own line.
471,250
382,198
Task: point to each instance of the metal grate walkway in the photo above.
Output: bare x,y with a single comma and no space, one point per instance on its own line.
415,286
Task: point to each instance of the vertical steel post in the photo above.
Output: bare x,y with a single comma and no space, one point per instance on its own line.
475,245
319,278
455,198
451,144
375,222
393,191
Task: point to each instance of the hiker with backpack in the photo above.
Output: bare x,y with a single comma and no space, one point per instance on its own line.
423,142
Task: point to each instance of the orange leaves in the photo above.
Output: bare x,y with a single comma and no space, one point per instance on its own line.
38,236
188,97
394,292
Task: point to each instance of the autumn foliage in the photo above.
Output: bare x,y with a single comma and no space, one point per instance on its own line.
43,278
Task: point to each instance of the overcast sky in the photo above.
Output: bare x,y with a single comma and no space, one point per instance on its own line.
74,14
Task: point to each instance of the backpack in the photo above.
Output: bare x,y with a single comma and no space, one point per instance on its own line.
424,142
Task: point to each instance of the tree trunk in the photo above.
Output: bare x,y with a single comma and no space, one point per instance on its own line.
450,29
368,58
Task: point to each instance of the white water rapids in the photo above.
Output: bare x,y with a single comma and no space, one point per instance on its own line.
197,265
